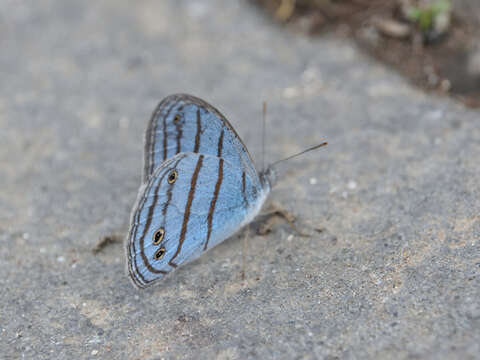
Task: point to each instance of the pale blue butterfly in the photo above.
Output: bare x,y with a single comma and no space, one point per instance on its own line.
200,186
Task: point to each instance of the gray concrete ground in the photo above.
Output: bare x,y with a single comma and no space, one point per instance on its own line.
394,272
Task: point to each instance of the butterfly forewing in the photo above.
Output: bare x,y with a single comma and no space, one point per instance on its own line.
184,123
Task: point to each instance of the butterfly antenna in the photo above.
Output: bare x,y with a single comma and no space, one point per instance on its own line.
263,133
300,153
244,251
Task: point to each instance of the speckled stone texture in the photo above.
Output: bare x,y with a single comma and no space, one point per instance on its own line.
393,272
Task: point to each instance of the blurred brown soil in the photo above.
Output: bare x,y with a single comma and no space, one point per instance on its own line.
442,64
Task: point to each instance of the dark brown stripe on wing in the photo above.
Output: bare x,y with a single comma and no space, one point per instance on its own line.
147,227
214,201
169,198
150,138
244,188
133,274
149,220
133,236
133,262
149,156
220,143
186,215
197,136
195,100
178,126
136,274
165,131
164,139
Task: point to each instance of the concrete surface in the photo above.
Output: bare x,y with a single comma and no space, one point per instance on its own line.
393,273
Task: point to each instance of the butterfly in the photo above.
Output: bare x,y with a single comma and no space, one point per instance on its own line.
199,187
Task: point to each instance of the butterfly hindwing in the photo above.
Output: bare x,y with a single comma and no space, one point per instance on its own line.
184,123
196,201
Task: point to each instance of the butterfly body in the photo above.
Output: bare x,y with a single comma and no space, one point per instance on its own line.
199,187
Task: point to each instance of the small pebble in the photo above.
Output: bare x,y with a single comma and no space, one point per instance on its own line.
435,115
310,74
197,10
94,121
290,92
123,122
445,85
94,352
352,185
313,181
473,63
61,259
392,28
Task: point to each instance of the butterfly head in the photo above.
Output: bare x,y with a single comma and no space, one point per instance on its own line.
269,176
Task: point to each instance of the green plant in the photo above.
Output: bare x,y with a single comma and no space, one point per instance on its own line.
425,16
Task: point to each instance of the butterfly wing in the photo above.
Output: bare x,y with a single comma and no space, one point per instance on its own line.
190,203
184,123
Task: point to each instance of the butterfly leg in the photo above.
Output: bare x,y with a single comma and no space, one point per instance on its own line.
106,240
244,251
278,212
